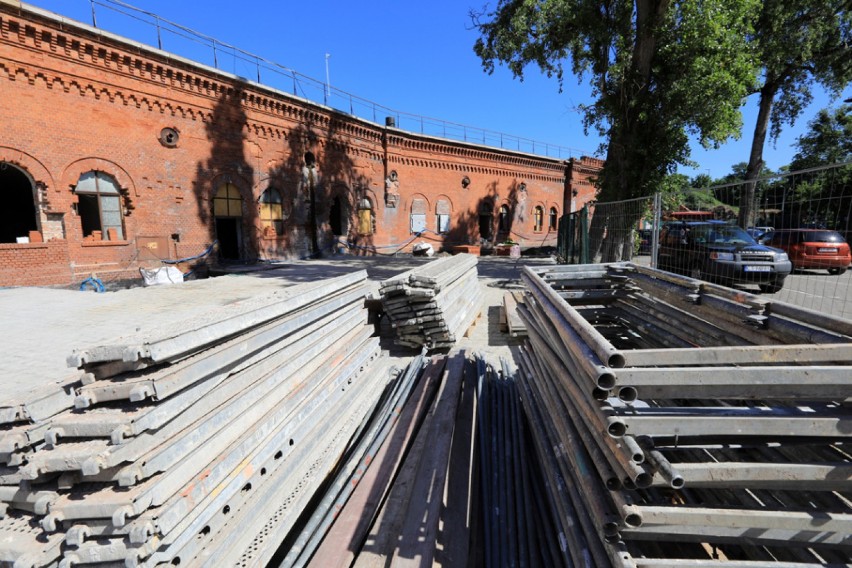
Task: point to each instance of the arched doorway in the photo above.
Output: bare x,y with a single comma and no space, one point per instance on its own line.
338,217
228,216
486,220
18,212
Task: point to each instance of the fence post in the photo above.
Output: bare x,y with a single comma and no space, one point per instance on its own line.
655,230
584,234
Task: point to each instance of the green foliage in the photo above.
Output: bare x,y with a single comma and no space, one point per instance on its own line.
828,140
660,71
799,43
679,192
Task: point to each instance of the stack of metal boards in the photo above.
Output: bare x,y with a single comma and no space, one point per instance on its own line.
411,506
200,444
695,425
432,305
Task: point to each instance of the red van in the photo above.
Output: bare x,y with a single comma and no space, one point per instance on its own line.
813,248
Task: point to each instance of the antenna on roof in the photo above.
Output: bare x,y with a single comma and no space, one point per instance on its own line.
327,82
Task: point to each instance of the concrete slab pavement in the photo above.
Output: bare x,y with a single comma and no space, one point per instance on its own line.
42,326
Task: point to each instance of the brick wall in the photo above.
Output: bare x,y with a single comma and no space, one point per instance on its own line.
34,264
77,100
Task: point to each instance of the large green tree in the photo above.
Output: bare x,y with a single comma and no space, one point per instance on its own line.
660,71
798,43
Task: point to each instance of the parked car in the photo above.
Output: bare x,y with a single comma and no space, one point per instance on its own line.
813,248
757,233
645,238
723,253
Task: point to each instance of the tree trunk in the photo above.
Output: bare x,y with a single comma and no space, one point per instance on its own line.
755,158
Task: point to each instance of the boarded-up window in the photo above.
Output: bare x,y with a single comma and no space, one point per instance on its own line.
99,204
442,213
554,215
365,217
539,219
418,223
272,211
419,207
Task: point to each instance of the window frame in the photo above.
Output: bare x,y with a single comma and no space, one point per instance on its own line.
442,216
504,224
231,189
366,217
270,219
88,199
538,219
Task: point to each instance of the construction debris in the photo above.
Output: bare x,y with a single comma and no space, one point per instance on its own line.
432,305
694,423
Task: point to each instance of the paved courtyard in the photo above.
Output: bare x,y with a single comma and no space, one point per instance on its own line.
42,326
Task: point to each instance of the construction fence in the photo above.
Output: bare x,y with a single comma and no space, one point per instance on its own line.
817,199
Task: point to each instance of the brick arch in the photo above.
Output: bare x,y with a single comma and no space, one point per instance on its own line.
537,203
40,175
444,197
423,198
244,186
283,183
75,169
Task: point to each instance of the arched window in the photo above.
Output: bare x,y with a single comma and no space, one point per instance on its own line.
442,215
272,211
504,224
99,205
366,219
228,202
418,215
554,219
539,218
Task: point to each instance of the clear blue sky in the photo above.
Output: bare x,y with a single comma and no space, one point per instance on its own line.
414,57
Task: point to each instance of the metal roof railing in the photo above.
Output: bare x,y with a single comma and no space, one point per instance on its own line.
137,24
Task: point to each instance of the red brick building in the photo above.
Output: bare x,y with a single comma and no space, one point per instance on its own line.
114,155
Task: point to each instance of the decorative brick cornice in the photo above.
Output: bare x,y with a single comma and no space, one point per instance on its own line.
105,54
75,44
471,168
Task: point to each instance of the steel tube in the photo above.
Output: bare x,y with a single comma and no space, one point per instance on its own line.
746,382
603,348
743,355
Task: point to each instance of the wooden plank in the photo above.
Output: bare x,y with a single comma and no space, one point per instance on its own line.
349,531
385,531
515,324
459,510
419,531
472,325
